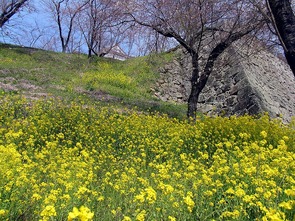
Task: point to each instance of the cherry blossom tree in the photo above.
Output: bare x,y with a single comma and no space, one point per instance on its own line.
64,14
9,8
102,26
204,28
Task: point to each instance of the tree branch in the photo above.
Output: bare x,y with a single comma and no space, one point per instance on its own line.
10,10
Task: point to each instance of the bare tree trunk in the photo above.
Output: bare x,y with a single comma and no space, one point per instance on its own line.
195,89
198,82
224,26
284,21
59,11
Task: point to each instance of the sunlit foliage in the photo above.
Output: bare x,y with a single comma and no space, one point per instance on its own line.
76,162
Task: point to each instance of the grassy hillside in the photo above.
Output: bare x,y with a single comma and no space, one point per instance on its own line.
75,148
37,73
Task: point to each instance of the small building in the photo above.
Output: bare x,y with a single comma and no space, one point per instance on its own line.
116,53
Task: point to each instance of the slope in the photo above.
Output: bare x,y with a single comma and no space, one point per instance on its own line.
36,74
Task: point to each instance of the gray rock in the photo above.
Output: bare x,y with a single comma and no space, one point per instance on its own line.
244,84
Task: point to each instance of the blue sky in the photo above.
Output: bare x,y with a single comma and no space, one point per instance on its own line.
35,28
21,28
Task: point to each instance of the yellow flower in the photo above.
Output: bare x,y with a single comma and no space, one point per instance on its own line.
148,194
139,197
228,214
249,198
168,189
84,214
262,142
82,191
290,192
240,192
74,214
151,195
273,215
208,193
48,212
287,205
282,145
267,194
175,205
126,218
2,212
171,218
219,145
228,144
189,202
36,196
100,198
263,134
141,216
230,191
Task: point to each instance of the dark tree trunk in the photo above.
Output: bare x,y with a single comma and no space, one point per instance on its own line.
195,89
198,82
291,60
284,22
89,52
193,101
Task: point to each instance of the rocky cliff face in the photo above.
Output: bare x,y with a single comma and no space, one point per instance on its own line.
241,83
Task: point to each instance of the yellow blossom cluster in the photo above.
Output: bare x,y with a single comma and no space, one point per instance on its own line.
83,214
76,162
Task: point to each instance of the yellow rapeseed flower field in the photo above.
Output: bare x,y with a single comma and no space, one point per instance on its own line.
77,162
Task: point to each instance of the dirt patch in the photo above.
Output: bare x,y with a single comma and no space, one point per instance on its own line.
7,87
12,84
32,91
102,96
29,90
98,95
26,85
5,72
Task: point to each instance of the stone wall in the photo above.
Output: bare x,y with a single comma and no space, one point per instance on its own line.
242,82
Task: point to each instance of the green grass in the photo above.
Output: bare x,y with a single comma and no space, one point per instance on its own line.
124,84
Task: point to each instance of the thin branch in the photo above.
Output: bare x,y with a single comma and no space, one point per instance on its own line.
10,10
